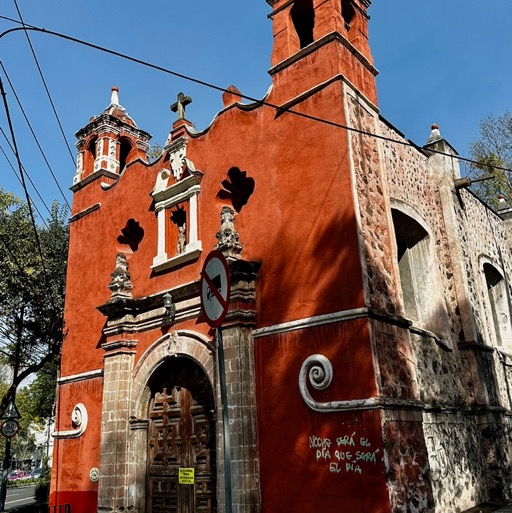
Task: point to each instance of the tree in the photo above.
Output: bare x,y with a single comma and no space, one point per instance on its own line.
493,149
23,443
32,286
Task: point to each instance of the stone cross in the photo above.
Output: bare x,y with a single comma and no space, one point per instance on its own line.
180,105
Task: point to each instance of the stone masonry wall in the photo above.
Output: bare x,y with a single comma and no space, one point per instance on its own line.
380,284
469,451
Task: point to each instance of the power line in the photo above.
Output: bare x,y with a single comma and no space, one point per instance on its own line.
22,176
26,172
280,109
19,179
44,84
34,135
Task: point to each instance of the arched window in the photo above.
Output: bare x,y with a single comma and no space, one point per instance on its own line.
499,305
347,12
90,155
303,17
419,275
124,151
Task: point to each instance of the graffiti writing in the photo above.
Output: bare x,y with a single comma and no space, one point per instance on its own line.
447,456
345,454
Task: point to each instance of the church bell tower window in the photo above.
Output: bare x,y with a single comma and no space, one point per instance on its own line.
347,12
303,17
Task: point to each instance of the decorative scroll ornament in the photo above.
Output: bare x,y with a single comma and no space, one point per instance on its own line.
79,420
228,237
319,370
121,285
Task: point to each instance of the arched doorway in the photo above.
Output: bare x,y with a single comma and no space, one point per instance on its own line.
181,434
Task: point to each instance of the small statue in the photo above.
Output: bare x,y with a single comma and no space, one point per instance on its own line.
182,238
228,244
121,285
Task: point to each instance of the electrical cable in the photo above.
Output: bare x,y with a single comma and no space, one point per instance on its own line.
45,85
22,175
28,176
34,135
278,108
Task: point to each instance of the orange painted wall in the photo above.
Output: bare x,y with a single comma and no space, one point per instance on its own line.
302,205
73,458
300,224
333,461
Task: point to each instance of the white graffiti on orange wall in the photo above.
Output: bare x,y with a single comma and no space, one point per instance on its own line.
346,453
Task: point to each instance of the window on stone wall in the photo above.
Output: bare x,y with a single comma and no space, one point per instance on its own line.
499,305
419,275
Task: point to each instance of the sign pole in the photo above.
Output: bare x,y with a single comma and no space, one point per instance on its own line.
215,296
225,421
5,472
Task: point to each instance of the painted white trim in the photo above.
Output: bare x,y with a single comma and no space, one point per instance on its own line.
98,373
79,418
318,371
309,322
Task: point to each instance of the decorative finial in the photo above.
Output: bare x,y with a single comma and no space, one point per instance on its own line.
435,134
114,99
179,106
503,205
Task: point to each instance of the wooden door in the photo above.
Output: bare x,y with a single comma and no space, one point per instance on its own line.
181,435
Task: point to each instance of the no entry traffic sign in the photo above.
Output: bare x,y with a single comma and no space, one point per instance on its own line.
215,288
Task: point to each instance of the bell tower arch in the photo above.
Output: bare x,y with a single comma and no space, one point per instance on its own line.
317,40
107,144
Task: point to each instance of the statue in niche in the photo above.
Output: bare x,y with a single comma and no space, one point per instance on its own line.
229,244
179,218
182,238
121,285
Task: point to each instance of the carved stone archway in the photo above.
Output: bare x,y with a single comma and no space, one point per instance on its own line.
178,344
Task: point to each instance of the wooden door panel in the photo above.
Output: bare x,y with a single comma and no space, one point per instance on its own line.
180,436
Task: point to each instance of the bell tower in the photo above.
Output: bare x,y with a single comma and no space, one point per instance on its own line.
108,143
317,40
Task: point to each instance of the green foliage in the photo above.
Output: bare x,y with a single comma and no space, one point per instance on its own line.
155,152
42,491
32,286
493,148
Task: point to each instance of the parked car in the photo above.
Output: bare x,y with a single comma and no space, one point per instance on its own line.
15,474
36,473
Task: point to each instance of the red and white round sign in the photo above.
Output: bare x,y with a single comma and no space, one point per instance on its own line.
215,288
9,428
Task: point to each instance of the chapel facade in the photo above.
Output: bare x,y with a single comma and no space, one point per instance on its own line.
368,339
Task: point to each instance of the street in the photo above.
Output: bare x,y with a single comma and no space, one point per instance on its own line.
19,496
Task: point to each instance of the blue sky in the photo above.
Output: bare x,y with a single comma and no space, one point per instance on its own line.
447,62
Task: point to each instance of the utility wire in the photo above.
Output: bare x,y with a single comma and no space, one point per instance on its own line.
45,86
34,135
280,109
22,175
19,179
26,174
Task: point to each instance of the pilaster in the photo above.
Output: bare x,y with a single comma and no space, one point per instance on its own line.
240,382
114,464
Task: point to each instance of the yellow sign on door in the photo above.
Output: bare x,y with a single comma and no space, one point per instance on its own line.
186,476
